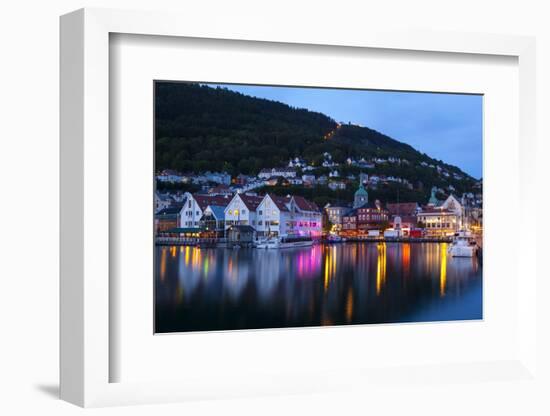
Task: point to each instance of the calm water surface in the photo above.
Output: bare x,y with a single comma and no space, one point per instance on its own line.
352,283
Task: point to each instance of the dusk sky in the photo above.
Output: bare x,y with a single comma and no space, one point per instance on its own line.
444,126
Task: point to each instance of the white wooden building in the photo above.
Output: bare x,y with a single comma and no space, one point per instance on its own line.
194,206
278,215
241,210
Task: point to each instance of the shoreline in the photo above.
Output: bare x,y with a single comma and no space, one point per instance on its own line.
212,244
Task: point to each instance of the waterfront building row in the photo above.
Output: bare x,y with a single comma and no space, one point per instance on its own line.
267,214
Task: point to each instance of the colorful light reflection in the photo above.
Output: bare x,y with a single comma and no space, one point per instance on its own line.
443,269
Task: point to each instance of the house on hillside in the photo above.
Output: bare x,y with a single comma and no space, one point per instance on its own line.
295,181
272,181
284,172
242,179
220,190
337,185
162,201
364,164
322,180
223,178
265,173
308,180
170,176
296,163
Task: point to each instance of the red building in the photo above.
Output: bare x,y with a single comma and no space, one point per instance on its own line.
370,216
403,216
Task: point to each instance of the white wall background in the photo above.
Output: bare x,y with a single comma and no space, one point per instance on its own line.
29,205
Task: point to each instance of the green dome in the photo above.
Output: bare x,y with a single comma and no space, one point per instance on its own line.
361,191
433,199
361,197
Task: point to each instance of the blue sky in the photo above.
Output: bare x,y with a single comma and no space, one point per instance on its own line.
444,126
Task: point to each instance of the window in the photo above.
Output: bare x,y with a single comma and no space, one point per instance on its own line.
230,212
243,212
259,222
260,212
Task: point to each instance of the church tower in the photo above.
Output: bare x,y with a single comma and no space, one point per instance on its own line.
361,197
433,199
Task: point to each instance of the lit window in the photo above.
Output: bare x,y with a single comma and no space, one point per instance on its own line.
230,212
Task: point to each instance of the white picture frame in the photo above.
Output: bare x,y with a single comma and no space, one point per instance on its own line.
85,212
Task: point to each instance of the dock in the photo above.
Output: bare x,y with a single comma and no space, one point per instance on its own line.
392,240
190,241
224,243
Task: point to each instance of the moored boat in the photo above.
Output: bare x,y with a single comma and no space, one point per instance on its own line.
463,245
287,241
335,238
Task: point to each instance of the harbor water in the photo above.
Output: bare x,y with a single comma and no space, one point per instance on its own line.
205,289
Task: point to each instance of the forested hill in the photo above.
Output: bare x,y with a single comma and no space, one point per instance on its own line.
199,128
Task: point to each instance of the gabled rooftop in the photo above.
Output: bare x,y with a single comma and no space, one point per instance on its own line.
251,201
205,200
304,204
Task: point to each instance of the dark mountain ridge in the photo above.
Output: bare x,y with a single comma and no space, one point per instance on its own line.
200,128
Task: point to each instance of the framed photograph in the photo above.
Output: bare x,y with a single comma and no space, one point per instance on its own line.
279,213
272,214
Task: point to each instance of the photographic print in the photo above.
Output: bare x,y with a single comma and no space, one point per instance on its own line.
289,206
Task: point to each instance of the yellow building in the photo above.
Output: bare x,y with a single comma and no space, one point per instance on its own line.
439,222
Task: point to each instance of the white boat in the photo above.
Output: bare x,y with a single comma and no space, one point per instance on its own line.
285,242
335,238
463,245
